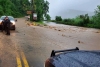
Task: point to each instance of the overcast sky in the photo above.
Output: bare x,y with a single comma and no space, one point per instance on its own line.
83,5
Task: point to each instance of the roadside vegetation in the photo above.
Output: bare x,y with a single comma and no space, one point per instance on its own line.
82,20
18,8
41,7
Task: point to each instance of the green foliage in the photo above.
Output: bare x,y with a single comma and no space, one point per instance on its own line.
95,20
82,20
78,22
16,8
48,17
96,17
65,20
1,10
68,21
53,20
41,7
58,18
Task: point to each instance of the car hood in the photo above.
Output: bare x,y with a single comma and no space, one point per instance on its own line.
77,59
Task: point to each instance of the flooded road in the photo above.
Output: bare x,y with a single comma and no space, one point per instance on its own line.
30,46
73,36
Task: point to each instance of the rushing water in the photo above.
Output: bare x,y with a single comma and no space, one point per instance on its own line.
52,23
49,23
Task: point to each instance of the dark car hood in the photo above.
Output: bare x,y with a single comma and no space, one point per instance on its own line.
77,59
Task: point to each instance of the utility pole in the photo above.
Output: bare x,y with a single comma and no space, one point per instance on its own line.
32,8
34,14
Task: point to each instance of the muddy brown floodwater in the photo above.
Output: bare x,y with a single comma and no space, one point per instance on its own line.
35,43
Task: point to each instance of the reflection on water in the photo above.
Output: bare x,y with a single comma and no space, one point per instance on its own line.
49,23
52,23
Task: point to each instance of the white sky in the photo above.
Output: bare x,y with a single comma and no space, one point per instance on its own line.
83,5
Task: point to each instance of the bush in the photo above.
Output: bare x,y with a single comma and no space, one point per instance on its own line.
91,20
68,20
91,25
58,18
82,20
78,22
65,20
53,20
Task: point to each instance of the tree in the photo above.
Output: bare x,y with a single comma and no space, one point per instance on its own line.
96,17
41,7
15,8
18,8
85,19
48,17
58,18
1,11
97,14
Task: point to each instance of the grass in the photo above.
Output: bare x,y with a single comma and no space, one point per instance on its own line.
40,22
37,23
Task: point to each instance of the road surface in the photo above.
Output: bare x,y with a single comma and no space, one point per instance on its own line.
30,46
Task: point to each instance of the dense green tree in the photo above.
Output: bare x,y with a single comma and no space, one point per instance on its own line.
58,18
18,8
41,7
85,19
15,8
1,10
48,17
97,15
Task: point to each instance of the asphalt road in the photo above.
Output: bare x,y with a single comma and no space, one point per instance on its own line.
30,46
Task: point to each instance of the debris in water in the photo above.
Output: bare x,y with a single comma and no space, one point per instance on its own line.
28,24
63,35
59,30
69,36
79,42
55,29
97,32
65,29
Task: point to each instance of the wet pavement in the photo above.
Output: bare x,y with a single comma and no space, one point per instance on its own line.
30,46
